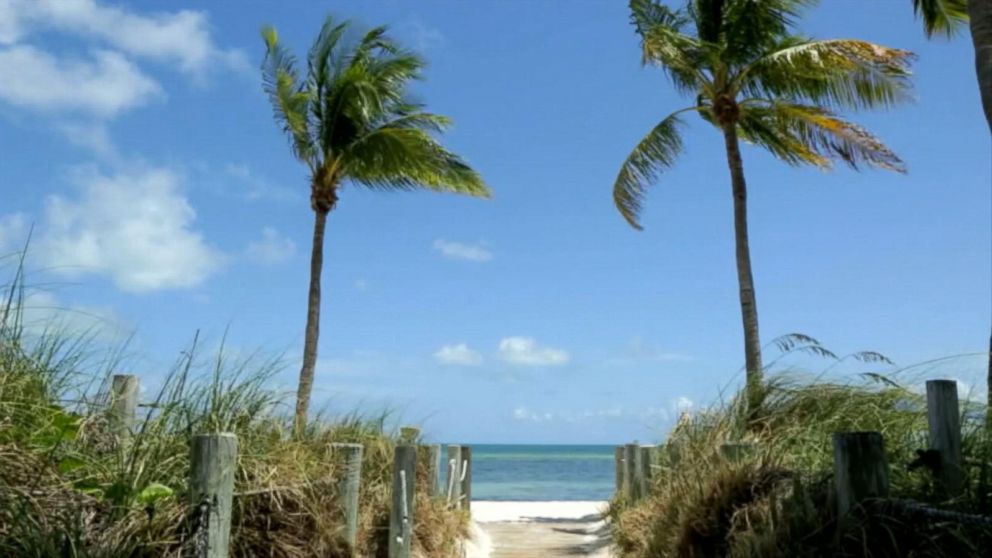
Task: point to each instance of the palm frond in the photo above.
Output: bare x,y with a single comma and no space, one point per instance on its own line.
663,43
290,101
844,73
655,152
814,135
750,28
941,17
321,62
403,156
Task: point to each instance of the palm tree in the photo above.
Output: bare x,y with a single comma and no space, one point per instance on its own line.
350,120
946,17
753,78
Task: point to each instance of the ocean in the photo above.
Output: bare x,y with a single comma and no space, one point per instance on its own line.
539,473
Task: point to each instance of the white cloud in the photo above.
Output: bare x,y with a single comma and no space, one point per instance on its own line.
103,87
361,285
459,354
133,226
253,187
683,404
526,352
92,136
41,311
459,251
523,413
181,37
273,248
638,351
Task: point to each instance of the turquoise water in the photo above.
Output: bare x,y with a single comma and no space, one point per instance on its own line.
535,473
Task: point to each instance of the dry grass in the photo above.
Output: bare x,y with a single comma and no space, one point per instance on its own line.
777,499
70,488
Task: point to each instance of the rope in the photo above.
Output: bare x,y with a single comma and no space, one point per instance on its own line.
464,470
910,507
452,473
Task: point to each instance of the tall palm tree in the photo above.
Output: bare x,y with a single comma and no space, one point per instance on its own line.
754,79
350,120
945,17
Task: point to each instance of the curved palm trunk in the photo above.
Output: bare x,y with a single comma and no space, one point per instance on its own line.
313,321
980,21
749,305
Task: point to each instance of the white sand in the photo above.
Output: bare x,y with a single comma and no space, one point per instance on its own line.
487,512
492,523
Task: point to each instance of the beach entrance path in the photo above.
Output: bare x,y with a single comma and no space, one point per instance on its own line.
539,530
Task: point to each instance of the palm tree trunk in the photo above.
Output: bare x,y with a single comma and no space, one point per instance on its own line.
980,20
749,305
313,322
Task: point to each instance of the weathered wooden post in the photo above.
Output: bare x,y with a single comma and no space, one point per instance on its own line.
214,459
631,480
618,463
401,513
860,469
433,469
944,417
454,472
123,403
465,477
349,486
646,461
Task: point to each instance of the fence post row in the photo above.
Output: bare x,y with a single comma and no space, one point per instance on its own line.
214,458
645,462
860,469
631,480
433,469
350,455
465,477
401,512
944,419
123,403
618,463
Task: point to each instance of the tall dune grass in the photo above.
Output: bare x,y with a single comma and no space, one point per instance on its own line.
777,499
70,488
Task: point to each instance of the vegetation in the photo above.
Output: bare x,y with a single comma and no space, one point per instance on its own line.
776,500
72,488
754,79
350,119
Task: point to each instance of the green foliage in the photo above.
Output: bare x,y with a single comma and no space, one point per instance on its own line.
941,17
777,499
71,488
350,116
744,66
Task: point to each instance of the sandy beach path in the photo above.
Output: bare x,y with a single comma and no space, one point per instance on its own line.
539,530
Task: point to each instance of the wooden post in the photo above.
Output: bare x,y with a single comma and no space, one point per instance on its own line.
735,451
944,418
401,513
454,487
123,403
433,469
349,486
213,458
645,463
618,462
860,469
465,477
630,452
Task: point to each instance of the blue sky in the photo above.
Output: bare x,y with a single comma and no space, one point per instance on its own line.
137,141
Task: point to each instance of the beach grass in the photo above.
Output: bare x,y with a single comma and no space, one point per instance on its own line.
776,499
71,486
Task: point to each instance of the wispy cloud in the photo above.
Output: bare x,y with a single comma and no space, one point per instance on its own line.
525,351
639,351
459,354
273,248
461,251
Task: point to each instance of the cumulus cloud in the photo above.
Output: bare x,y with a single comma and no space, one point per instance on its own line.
460,355
181,37
135,227
102,87
41,311
525,351
273,248
460,251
